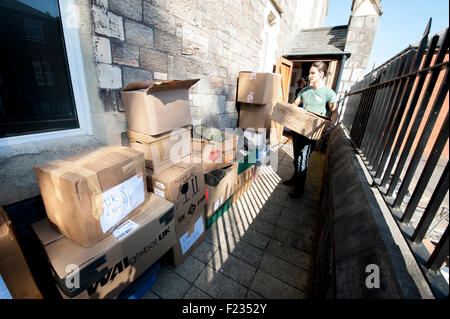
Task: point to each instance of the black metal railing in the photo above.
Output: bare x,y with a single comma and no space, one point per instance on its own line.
392,117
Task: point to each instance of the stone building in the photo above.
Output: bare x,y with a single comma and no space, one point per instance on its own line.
107,44
361,30
346,48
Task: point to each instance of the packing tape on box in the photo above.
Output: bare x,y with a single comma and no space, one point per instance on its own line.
91,176
136,137
250,97
158,143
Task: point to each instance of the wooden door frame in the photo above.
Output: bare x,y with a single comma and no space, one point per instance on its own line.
285,86
290,64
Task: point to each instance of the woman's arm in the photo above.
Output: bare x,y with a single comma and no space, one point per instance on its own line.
297,101
334,113
334,119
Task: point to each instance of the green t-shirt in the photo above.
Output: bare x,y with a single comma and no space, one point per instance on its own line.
316,100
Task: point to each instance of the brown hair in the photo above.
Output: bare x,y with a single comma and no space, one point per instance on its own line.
322,67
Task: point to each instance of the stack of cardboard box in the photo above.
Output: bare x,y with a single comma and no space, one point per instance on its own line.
216,149
159,125
103,228
257,94
114,211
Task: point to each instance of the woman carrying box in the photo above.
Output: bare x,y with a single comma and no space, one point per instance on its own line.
319,99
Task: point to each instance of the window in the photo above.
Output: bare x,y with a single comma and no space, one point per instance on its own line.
36,93
42,73
33,30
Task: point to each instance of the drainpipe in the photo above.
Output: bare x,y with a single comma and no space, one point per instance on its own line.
338,82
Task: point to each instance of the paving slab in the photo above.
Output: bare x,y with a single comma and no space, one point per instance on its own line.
262,226
150,295
219,286
169,285
296,227
273,207
253,295
290,254
268,216
284,271
196,293
233,267
293,239
189,269
204,252
273,288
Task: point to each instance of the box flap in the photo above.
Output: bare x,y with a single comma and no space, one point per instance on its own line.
46,233
268,73
102,158
142,138
154,86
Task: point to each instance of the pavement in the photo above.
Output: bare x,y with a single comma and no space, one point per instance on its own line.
260,248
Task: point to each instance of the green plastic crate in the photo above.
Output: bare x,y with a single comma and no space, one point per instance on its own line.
218,213
249,161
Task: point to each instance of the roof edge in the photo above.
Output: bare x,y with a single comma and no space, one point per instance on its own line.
344,26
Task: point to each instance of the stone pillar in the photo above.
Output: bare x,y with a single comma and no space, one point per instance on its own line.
362,27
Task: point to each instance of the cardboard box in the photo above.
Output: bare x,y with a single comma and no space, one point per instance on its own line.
14,271
298,119
108,267
212,154
255,115
188,238
243,183
183,185
217,195
165,150
157,107
255,139
86,195
259,88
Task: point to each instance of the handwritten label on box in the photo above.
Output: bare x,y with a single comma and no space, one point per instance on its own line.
121,200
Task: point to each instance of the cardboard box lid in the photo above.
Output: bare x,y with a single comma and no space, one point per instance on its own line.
270,74
62,252
149,139
155,86
171,174
95,160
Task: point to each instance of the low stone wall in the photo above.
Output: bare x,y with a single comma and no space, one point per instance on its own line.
356,255
17,178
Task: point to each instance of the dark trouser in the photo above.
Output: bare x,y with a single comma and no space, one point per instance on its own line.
303,148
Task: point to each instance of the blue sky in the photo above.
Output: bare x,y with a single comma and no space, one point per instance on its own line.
402,23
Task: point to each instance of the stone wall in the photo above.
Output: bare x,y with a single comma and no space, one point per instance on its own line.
362,27
123,41
140,40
